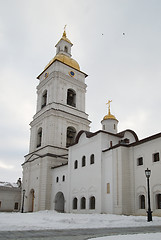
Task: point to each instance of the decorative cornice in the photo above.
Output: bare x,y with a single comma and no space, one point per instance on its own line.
56,60
45,155
139,142
59,110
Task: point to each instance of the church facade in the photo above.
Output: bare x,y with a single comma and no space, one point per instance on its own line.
70,169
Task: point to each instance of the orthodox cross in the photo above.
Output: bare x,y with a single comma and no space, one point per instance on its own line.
109,101
65,27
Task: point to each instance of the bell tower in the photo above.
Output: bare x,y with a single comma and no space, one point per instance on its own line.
60,115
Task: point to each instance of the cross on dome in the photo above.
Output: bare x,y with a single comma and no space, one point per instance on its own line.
109,101
109,116
64,33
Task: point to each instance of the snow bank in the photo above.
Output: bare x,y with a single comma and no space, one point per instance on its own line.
8,184
53,220
149,236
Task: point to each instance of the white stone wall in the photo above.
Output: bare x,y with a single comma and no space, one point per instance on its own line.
8,198
146,150
114,179
108,140
107,183
85,181
109,125
60,185
37,176
57,84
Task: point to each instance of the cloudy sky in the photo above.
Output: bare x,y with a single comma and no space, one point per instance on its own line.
116,42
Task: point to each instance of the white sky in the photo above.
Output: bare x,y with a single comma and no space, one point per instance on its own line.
124,68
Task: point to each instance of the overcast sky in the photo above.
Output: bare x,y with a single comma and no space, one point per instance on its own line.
116,42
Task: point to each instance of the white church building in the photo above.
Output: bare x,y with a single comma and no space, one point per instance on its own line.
70,169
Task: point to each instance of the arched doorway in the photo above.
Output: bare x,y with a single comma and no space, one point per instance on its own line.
31,200
59,202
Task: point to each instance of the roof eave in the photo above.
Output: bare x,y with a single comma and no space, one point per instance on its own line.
62,63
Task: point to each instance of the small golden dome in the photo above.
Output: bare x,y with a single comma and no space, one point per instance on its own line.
64,59
109,116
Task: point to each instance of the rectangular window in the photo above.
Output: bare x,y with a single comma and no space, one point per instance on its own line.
159,201
140,161
156,157
16,206
108,187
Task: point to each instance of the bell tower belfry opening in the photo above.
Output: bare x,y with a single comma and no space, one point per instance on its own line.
60,115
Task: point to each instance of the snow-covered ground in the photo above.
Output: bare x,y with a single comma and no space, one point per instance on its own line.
149,236
53,220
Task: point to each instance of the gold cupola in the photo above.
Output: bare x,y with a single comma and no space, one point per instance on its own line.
109,122
63,52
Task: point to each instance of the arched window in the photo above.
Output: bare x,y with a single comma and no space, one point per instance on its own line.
71,132
63,178
158,198
75,202
92,159
71,97
92,202
57,179
83,203
39,137
142,202
83,161
44,99
75,164
66,49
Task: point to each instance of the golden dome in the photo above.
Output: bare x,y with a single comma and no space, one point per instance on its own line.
64,59
109,116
